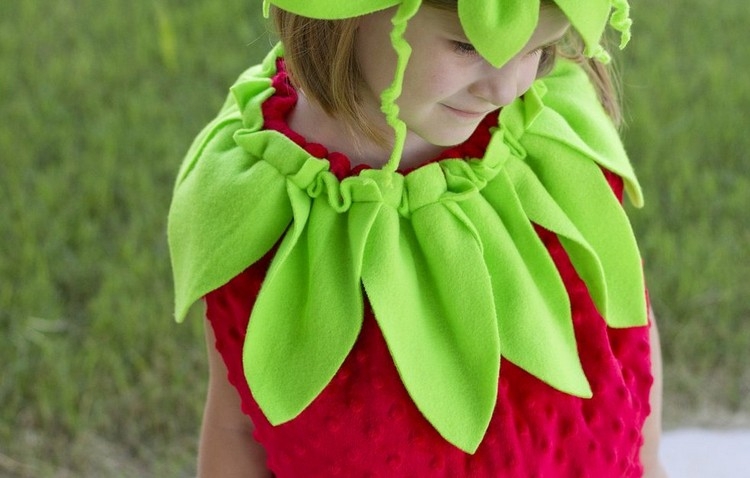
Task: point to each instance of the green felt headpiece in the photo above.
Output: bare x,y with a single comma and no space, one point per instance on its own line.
483,21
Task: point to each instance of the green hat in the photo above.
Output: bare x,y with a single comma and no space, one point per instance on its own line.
482,21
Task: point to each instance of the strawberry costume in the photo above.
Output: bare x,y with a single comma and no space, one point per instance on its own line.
482,315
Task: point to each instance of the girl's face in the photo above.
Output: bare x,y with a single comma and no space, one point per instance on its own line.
448,87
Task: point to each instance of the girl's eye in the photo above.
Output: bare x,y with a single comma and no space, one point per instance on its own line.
543,51
539,51
547,57
535,52
464,48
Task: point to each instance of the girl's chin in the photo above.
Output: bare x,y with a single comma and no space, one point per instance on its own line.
450,138
446,134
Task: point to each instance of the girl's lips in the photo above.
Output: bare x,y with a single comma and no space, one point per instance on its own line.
466,114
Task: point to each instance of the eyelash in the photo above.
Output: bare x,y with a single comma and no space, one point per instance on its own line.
468,49
463,48
538,51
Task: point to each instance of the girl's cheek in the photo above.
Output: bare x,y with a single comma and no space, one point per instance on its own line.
530,69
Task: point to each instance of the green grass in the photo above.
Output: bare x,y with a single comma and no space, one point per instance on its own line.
688,106
98,102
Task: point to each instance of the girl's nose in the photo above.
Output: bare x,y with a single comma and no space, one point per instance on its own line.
499,86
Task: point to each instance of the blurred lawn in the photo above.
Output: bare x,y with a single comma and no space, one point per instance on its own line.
99,100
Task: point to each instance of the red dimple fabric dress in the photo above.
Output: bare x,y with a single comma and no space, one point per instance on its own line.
365,425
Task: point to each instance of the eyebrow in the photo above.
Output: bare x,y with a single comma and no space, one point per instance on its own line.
450,25
555,40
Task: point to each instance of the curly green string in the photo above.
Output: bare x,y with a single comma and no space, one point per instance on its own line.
389,96
621,21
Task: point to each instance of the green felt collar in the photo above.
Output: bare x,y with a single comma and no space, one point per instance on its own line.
460,231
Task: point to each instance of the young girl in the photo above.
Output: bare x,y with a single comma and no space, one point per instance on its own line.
406,226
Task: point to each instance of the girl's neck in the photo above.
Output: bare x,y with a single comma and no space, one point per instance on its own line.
315,125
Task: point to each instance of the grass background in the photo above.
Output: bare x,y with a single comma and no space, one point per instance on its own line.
99,100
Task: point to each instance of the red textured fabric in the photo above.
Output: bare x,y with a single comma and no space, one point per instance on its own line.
365,425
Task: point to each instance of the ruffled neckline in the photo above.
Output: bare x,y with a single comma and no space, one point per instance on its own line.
447,254
277,108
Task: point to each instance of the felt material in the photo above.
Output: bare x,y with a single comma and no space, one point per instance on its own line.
332,9
447,254
486,20
406,10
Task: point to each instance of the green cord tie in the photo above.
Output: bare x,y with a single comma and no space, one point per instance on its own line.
621,21
388,97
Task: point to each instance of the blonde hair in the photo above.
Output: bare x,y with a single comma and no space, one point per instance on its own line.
320,58
603,77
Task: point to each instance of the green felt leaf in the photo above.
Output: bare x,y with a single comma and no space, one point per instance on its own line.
618,290
589,18
543,209
498,29
318,295
534,321
573,118
431,294
615,276
210,254
333,9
